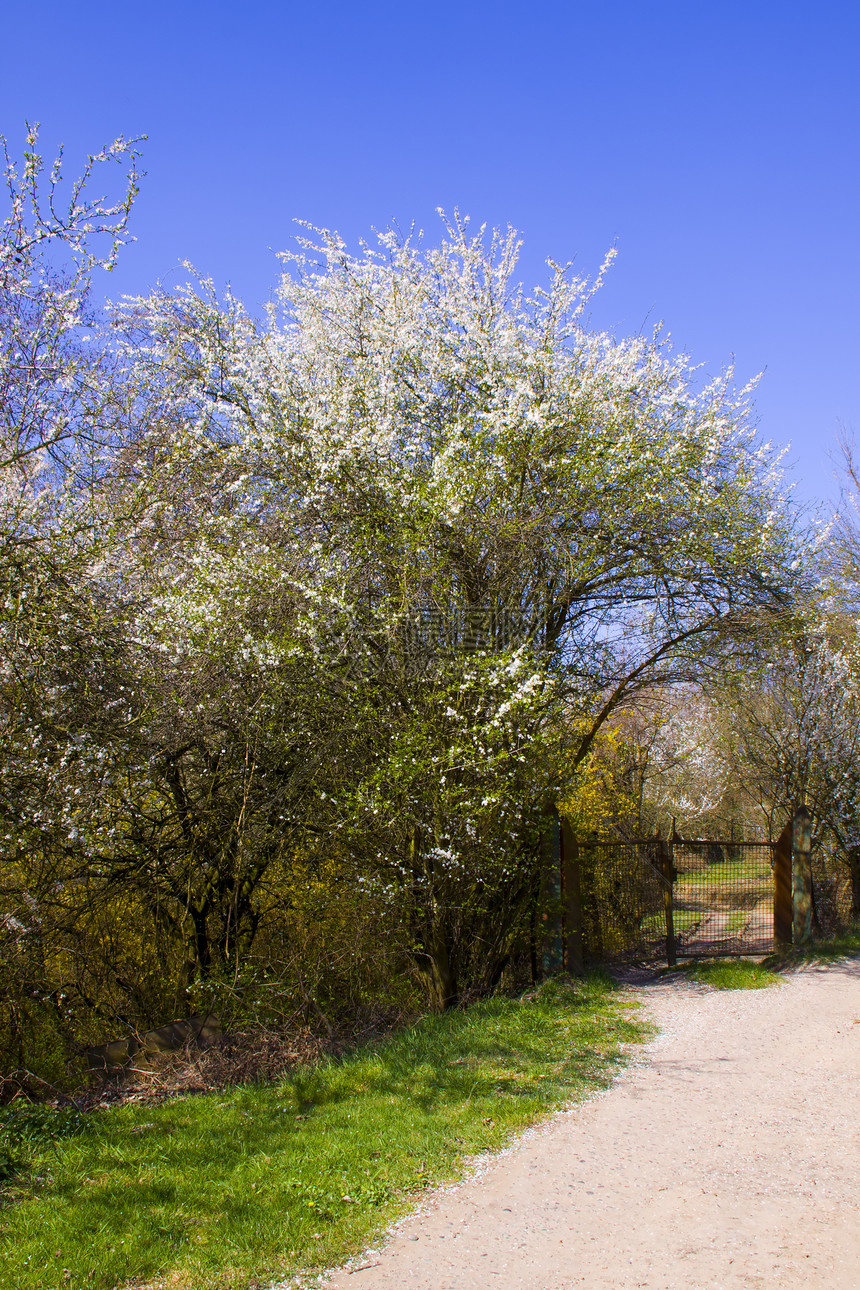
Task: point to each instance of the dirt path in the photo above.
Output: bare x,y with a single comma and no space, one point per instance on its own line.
728,1156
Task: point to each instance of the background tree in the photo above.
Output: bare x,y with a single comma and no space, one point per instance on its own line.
60,631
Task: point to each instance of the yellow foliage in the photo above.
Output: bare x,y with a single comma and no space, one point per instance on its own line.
599,794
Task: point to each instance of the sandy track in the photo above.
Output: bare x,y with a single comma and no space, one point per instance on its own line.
728,1156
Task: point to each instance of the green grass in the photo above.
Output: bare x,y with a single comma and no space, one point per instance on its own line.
235,1188
728,873
729,974
841,946
683,920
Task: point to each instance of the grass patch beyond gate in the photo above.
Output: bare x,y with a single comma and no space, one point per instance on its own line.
729,974
248,1184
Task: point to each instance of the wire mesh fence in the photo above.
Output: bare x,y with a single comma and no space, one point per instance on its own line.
623,900
831,893
716,897
719,896
723,897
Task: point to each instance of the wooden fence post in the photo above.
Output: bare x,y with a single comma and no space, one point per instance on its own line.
573,953
783,916
801,876
667,868
672,875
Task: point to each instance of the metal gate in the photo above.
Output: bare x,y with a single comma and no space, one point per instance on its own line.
624,888
652,898
722,897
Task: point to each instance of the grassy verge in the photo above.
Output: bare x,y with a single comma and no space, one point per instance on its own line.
253,1183
729,974
843,945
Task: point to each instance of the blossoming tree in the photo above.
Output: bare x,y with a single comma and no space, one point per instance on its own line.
59,624
349,590
451,531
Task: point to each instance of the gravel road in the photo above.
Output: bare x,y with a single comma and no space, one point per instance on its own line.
726,1156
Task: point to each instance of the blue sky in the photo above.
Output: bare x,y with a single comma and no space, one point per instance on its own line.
716,144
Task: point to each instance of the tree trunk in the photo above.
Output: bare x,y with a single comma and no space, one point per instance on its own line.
202,948
443,974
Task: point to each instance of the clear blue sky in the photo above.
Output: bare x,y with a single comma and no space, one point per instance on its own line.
716,143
